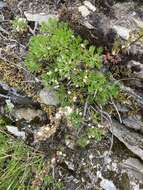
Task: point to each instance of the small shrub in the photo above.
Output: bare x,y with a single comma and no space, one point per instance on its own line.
70,65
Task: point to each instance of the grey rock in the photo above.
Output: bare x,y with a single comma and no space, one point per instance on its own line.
89,5
27,113
70,165
136,69
48,97
123,32
88,25
39,17
134,168
134,122
12,94
122,108
70,143
2,4
10,105
131,139
14,130
84,11
107,184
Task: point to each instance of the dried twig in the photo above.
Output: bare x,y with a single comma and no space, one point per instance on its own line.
113,103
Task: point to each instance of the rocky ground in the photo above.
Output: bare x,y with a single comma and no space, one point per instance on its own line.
116,160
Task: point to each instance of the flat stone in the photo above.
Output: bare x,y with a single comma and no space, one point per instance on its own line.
89,5
134,168
134,123
131,139
123,32
14,130
39,17
84,11
48,97
27,113
2,4
136,69
88,25
107,185
138,22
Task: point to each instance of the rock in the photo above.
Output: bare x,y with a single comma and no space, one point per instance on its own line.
131,139
123,32
27,113
70,143
107,184
136,69
14,96
122,108
138,22
4,87
14,130
88,25
10,105
84,11
48,97
70,165
2,4
89,5
134,122
134,168
39,17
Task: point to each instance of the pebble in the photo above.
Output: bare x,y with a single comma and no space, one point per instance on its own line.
39,17
14,130
123,32
84,11
48,97
2,5
107,185
89,5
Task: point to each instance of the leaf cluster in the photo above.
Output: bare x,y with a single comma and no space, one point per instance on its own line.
69,64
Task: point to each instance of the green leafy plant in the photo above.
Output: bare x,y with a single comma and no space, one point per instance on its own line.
19,24
76,118
70,65
95,133
89,134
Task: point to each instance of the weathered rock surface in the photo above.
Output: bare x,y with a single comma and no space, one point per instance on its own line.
48,97
39,17
134,122
14,131
27,113
7,92
107,185
132,140
134,167
2,4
